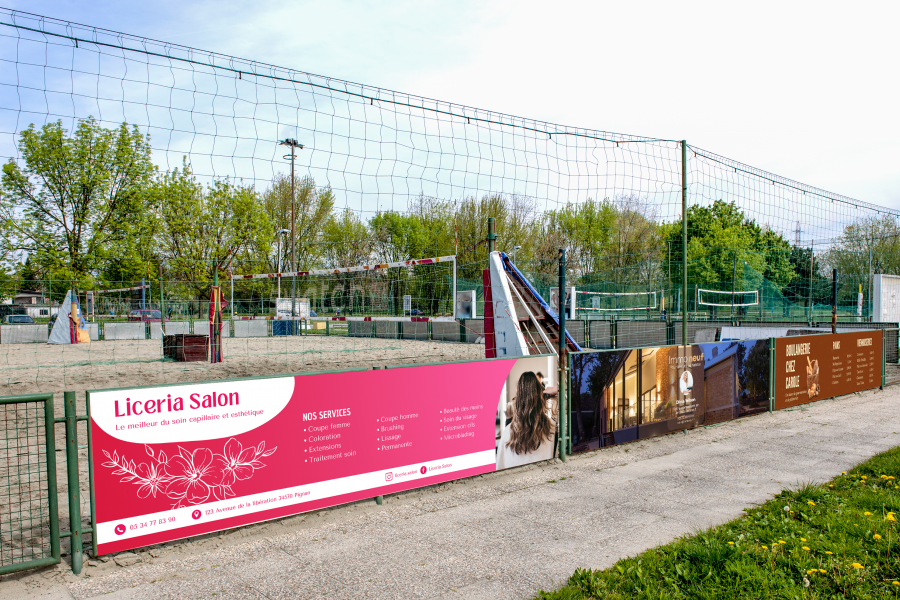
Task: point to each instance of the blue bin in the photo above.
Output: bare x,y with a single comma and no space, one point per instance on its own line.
283,327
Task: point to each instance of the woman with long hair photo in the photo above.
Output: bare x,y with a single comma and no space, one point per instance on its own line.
529,432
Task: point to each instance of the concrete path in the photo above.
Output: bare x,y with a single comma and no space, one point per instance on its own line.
508,534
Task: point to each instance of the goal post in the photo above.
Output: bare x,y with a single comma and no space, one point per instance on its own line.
722,299
617,301
94,300
412,290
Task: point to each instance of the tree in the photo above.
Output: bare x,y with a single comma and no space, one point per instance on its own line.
875,237
76,196
721,240
312,209
202,230
808,270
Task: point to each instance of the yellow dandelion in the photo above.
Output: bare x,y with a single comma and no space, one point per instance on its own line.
830,485
876,536
829,552
858,566
765,547
896,582
890,517
822,571
782,542
811,571
792,512
884,476
731,543
806,548
811,503
867,513
802,539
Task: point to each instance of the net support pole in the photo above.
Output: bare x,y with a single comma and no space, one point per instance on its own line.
834,301
810,303
73,491
453,297
684,216
563,413
162,302
491,237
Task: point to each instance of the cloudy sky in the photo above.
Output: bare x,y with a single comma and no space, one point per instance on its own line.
808,90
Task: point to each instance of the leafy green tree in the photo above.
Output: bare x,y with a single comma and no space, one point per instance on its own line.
77,197
202,230
808,269
721,240
873,238
312,210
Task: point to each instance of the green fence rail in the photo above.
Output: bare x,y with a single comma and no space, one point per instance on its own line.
890,367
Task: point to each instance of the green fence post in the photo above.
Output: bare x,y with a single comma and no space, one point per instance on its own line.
772,374
684,237
72,480
52,492
90,445
563,416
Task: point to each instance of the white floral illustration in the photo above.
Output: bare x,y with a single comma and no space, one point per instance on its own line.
190,477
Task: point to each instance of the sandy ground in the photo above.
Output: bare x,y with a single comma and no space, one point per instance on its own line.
506,534
29,368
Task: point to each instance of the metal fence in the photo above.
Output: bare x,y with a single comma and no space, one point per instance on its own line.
29,516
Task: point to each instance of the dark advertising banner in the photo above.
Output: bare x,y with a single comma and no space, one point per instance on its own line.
635,394
815,367
177,460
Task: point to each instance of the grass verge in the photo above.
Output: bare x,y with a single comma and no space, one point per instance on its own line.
837,540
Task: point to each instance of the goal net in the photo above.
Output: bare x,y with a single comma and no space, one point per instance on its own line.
116,302
727,299
616,301
413,290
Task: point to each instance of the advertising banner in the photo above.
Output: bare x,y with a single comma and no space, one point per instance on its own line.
179,460
622,396
815,367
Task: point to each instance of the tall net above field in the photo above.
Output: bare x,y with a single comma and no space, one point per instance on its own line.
207,187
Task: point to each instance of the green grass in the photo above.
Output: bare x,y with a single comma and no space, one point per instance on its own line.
837,540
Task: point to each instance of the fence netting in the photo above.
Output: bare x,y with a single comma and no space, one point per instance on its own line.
203,165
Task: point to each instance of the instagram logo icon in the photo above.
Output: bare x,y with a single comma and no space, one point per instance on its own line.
389,476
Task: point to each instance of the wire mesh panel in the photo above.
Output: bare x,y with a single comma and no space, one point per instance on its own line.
231,166
29,534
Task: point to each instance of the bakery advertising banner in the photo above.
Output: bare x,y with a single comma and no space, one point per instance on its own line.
626,395
179,460
815,367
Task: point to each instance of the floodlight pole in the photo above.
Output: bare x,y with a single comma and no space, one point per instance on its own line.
684,216
292,144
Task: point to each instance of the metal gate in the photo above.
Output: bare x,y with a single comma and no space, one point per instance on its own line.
29,515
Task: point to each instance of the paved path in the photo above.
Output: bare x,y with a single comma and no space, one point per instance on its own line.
508,534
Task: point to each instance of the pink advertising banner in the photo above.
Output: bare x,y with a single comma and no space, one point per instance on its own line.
186,459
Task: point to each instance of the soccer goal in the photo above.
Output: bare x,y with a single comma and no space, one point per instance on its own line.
413,290
114,302
722,299
617,301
